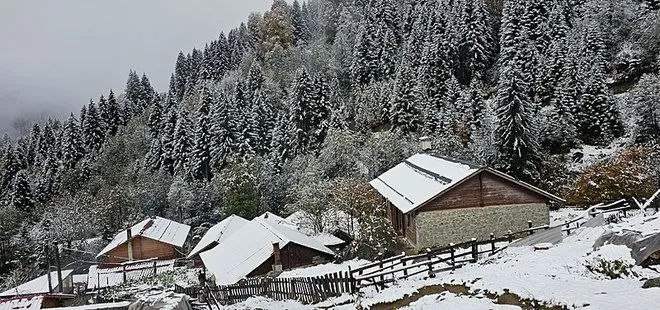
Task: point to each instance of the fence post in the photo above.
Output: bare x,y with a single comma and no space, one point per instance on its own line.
155,268
625,213
492,243
405,271
475,250
509,236
452,256
568,228
380,266
124,272
429,256
529,224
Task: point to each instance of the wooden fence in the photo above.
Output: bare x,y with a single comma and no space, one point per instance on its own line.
306,290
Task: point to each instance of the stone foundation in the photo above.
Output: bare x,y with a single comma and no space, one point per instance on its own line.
439,228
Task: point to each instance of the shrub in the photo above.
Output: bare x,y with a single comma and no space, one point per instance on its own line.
612,269
625,175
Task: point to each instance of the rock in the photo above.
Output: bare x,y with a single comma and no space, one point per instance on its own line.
651,283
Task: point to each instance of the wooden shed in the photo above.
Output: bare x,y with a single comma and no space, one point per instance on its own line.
435,200
154,238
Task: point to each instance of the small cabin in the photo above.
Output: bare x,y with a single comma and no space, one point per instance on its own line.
154,238
257,247
39,293
434,200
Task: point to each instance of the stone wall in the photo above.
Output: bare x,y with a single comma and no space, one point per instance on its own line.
439,228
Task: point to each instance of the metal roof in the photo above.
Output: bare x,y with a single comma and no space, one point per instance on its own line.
423,177
157,228
36,286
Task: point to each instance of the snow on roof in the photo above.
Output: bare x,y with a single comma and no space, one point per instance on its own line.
328,239
218,233
109,305
419,178
33,303
36,286
106,277
156,228
244,250
277,219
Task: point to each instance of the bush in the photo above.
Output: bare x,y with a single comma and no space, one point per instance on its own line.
612,269
655,282
625,175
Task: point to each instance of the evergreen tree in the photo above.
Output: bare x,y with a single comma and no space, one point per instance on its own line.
201,153
263,116
112,114
155,119
47,140
21,195
299,24
404,112
223,128
516,133
134,89
33,151
71,144
47,184
599,120
92,132
476,47
183,141
148,93
10,168
168,142
646,99
308,112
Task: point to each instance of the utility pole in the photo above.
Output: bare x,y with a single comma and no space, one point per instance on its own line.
47,254
59,267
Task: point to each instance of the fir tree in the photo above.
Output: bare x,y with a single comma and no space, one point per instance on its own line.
33,151
155,119
148,94
21,194
168,142
646,98
47,140
299,24
92,132
10,168
180,77
223,128
183,141
71,144
134,88
201,153
516,133
111,115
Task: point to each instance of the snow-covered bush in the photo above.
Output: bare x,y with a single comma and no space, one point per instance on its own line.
612,269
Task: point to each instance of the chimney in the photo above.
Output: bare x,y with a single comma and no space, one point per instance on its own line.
130,243
277,263
425,143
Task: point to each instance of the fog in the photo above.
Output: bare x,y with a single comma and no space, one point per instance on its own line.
56,55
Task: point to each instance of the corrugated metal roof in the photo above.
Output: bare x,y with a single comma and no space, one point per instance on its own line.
157,228
33,303
36,286
218,232
421,177
250,246
107,277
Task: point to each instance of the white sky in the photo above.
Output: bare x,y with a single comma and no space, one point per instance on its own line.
56,54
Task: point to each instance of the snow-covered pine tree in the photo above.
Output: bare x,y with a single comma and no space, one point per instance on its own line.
134,89
148,93
168,142
21,193
47,140
308,112
598,117
246,131
223,131
82,115
92,132
221,58
112,115
646,99
476,46
263,115
183,142
48,181
10,168
71,143
516,134
299,23
180,77
200,158
404,111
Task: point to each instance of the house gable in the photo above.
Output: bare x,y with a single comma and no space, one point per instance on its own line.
143,248
483,189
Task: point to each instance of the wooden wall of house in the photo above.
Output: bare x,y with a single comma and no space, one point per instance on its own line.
143,248
484,189
293,256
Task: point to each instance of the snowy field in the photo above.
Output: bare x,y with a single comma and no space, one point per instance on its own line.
558,276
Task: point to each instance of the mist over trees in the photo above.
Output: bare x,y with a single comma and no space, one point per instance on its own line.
316,95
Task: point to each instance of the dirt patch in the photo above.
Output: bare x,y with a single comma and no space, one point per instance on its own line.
507,298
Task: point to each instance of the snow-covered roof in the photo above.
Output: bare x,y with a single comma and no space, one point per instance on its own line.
157,228
328,239
36,286
247,248
418,179
422,177
217,233
33,303
106,277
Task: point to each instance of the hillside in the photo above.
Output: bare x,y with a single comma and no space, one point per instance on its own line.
298,107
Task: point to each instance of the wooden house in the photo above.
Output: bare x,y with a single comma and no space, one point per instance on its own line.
434,200
39,294
154,238
259,246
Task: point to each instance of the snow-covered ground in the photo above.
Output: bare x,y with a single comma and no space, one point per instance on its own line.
564,214
320,270
557,276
